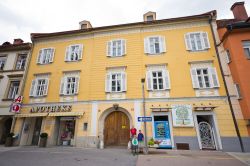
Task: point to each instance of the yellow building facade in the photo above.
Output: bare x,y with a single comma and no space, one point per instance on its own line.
84,87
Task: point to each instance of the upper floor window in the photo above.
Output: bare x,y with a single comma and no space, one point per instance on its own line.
21,61
116,82
116,48
74,52
238,92
158,79
46,56
13,89
70,84
154,45
246,47
39,85
204,77
2,62
197,41
228,56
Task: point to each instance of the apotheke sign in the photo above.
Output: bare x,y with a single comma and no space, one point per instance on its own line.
52,108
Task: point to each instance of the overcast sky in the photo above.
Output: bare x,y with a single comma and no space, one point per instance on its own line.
19,18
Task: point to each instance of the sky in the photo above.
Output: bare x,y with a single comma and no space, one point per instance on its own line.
19,18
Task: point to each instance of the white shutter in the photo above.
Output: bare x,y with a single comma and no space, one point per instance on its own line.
194,78
214,77
166,79
108,83
205,42
39,57
123,47
52,52
46,87
80,51
109,48
62,86
32,88
162,44
146,46
149,80
67,53
77,84
187,41
124,82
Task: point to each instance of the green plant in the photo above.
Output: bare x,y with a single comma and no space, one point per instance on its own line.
151,142
10,135
44,135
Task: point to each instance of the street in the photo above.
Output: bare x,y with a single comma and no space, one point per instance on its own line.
65,156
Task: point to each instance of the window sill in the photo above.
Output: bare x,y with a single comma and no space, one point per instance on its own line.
115,92
204,50
116,56
160,90
73,61
155,54
206,88
62,95
35,97
44,63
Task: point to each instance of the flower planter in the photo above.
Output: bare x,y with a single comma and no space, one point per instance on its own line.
9,141
154,146
43,142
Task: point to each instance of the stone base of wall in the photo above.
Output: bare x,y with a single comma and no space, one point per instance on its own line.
87,142
232,144
192,141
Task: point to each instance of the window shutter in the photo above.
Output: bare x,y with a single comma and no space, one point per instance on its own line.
194,78
80,51
32,88
149,80
146,46
162,44
206,44
108,83
52,55
39,58
214,77
109,49
124,82
67,53
187,41
166,79
77,85
45,92
62,87
123,47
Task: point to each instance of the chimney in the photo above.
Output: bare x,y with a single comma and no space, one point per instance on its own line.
239,11
18,41
84,25
149,16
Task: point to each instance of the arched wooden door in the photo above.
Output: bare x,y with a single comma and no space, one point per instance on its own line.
116,129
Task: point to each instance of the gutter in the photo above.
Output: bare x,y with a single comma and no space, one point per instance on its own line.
224,82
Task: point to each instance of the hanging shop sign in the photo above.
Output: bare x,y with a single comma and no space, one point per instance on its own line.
182,116
51,108
16,104
162,134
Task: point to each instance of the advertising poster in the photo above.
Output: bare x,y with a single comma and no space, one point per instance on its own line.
162,134
182,116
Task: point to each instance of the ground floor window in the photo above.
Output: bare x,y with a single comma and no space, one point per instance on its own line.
66,130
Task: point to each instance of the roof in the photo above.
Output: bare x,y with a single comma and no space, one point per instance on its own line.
56,34
15,47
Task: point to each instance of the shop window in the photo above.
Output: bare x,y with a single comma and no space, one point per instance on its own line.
67,130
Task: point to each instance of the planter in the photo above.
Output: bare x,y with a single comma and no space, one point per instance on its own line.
154,146
43,142
9,141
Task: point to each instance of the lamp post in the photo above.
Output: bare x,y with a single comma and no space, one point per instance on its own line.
144,114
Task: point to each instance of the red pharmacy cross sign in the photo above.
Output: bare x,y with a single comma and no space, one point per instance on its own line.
16,108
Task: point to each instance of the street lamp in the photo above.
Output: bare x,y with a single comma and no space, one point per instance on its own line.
144,114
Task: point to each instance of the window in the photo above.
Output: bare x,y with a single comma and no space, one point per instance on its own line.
116,48
39,87
74,52
154,45
46,56
197,41
85,126
150,18
2,62
246,47
228,56
69,84
116,82
238,92
21,60
13,89
204,77
158,80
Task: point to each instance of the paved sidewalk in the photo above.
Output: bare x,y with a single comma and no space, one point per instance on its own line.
187,158
244,157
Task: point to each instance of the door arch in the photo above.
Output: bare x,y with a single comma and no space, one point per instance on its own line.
206,135
116,129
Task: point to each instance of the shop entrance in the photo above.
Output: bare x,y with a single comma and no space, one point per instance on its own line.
66,130
206,132
6,126
116,129
36,132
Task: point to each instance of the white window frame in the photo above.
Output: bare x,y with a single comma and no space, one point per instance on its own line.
20,63
203,38
76,55
13,90
228,56
44,57
39,90
65,84
123,81
212,76
246,47
113,48
238,91
2,62
150,45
